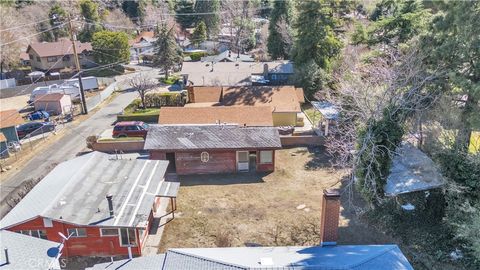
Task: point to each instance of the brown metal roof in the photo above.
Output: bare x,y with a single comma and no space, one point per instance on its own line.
62,47
10,118
281,98
242,115
50,97
2,137
300,95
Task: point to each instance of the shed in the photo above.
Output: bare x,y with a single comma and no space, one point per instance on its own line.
9,119
208,149
54,104
412,170
329,115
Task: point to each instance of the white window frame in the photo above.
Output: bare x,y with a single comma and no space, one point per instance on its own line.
52,59
262,152
76,235
128,236
109,235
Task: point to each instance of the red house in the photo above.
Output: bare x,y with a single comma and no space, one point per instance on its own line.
208,149
104,204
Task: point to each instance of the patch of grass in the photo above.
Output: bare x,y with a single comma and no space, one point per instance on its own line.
311,113
474,142
171,80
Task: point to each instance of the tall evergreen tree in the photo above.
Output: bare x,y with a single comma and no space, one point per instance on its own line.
135,9
210,16
278,44
57,16
183,8
167,51
89,11
315,38
199,34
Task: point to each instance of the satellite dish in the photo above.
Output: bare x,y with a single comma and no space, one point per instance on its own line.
53,252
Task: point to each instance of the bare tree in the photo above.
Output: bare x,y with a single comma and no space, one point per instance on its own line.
142,84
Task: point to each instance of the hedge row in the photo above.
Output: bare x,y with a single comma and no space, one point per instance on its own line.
147,118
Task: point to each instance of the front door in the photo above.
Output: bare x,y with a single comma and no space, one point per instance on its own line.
242,161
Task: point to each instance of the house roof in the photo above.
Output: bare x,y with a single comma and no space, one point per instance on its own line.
242,115
50,97
327,109
10,118
206,93
412,170
358,257
207,137
300,95
228,56
78,196
144,263
231,73
281,98
146,35
61,47
2,137
23,250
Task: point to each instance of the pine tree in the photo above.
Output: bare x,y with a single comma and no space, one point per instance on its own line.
183,8
199,34
135,9
278,44
57,16
89,11
315,37
167,52
212,19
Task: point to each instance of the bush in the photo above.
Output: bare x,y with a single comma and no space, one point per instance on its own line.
171,80
196,56
147,118
157,100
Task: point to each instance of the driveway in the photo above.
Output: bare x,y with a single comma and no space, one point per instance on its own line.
72,142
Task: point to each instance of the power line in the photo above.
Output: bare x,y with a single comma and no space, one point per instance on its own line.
58,26
23,25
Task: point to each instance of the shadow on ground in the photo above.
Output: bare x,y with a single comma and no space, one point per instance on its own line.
222,179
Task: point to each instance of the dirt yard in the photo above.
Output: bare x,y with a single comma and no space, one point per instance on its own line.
281,208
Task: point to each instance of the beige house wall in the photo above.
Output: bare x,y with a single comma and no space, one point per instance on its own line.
43,64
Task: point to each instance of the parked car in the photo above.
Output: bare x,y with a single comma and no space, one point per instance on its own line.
38,115
34,128
130,129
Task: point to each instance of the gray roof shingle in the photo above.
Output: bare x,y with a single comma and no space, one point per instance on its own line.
203,137
75,190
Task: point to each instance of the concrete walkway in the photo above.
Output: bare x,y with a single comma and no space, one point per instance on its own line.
160,218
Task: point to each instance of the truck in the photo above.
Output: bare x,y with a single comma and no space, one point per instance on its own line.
89,83
72,91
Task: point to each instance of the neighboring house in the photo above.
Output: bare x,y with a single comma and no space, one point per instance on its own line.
237,73
284,100
26,252
142,45
8,121
24,59
208,149
54,104
326,256
242,115
228,56
54,56
105,204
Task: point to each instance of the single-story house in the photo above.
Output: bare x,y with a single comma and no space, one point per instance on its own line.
55,56
237,73
9,119
103,204
252,116
209,149
26,252
143,44
228,56
284,101
327,255
54,104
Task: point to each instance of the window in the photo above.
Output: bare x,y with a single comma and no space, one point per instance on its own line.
47,223
127,237
131,128
118,128
52,59
31,56
35,233
108,232
78,232
38,59
66,58
204,157
266,157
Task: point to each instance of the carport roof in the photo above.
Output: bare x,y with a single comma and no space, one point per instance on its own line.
10,118
205,137
75,190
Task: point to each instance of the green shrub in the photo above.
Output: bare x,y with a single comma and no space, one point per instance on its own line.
157,100
196,56
147,118
171,80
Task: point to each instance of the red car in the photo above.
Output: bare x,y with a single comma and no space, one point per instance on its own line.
130,129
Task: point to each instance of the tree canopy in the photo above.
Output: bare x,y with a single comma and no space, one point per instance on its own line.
199,34
110,48
208,12
279,32
89,10
167,52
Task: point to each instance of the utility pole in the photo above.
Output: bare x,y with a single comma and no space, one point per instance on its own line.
77,64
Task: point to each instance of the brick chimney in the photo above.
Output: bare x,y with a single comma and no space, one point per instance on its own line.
330,217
